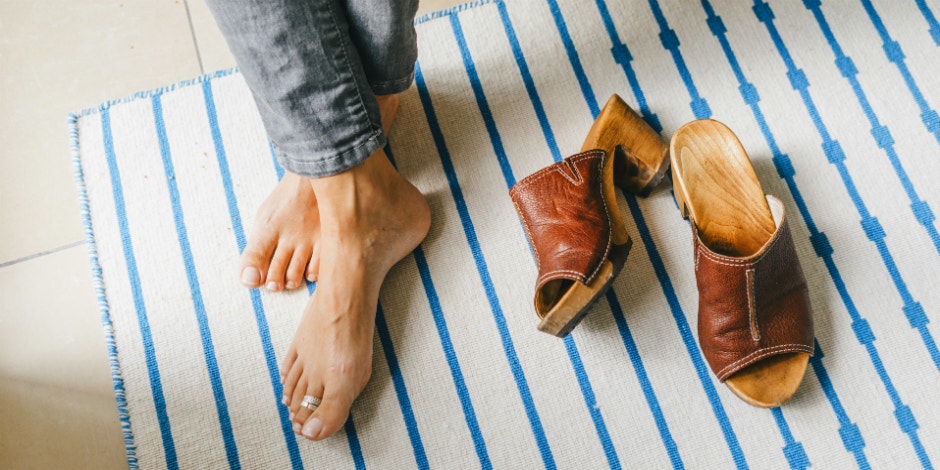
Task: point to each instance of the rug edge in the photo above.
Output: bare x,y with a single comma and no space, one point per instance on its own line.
452,10
117,379
147,94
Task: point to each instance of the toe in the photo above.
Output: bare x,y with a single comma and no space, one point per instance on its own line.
331,414
254,261
293,383
275,278
286,367
306,386
298,263
288,362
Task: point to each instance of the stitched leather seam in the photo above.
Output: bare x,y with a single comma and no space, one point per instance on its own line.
556,168
752,304
726,263
610,229
542,278
733,261
761,353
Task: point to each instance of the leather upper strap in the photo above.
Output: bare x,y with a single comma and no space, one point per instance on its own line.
754,307
565,216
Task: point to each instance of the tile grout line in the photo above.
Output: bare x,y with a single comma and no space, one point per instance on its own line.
192,30
41,254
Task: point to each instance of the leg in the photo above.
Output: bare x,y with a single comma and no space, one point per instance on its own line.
327,126
319,111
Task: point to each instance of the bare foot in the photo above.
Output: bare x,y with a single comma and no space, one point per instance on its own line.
282,248
284,240
371,217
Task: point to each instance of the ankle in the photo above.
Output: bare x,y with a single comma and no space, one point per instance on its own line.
373,183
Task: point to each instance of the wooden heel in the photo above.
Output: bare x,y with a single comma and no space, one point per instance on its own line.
639,151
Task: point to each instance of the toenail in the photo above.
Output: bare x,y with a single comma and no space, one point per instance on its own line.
272,285
290,417
291,284
313,428
284,400
296,428
251,276
311,277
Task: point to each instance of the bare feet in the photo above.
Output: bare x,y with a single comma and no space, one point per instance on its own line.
371,217
283,245
284,242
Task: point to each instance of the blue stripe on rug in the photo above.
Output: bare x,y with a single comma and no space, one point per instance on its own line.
153,370
614,303
354,448
871,226
820,242
260,317
849,432
470,233
496,141
192,277
404,402
873,229
931,20
623,57
660,270
893,52
793,450
670,41
439,321
882,135
574,58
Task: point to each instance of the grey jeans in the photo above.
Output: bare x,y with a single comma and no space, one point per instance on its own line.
314,68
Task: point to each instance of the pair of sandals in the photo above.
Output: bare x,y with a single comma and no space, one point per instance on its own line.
755,325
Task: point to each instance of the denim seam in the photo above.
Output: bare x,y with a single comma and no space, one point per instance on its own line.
346,47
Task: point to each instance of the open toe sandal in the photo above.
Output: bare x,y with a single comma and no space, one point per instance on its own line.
755,325
571,217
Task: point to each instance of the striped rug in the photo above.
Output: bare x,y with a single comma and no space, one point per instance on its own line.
837,103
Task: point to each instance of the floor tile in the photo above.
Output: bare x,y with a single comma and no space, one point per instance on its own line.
213,50
56,395
58,57
427,6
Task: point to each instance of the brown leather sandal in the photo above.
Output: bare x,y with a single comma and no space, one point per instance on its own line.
570,213
755,324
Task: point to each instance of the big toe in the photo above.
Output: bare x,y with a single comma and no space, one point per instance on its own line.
332,413
254,263
251,277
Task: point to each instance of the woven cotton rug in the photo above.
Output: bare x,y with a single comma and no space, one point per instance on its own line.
836,103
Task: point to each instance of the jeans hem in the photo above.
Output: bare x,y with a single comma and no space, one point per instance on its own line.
334,164
391,87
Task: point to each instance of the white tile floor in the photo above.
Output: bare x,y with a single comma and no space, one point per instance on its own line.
57,407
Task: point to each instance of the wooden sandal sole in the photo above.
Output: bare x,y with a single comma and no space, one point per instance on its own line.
578,300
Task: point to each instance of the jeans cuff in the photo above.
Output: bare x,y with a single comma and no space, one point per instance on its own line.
391,87
328,166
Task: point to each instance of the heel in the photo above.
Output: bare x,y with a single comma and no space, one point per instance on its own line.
640,151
